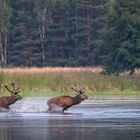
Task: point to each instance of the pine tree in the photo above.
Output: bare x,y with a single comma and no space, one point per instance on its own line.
120,41
22,32
73,32
86,23
54,32
59,46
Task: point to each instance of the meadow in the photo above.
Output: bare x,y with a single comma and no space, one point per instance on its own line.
57,81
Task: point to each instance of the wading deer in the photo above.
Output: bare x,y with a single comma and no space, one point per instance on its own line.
6,101
67,101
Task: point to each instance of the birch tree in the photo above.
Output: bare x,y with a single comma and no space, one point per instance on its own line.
43,9
5,14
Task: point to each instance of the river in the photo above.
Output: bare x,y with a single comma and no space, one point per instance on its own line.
94,119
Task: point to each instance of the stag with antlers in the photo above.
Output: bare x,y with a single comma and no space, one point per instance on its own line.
67,101
6,101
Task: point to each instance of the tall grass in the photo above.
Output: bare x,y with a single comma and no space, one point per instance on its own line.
58,80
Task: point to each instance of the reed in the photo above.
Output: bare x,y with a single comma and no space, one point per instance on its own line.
51,81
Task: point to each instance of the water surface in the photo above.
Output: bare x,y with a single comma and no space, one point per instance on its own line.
91,120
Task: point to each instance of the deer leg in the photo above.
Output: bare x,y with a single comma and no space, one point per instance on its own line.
7,107
50,108
65,108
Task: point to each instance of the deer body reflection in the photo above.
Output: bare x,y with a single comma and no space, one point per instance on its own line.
67,101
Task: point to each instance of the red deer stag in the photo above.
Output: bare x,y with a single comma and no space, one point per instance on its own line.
6,101
67,101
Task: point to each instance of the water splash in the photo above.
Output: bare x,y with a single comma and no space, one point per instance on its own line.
54,108
3,109
37,106
31,105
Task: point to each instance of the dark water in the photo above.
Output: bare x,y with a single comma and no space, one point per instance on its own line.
83,122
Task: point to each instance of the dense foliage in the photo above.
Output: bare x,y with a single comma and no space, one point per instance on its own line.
119,47
49,32
66,33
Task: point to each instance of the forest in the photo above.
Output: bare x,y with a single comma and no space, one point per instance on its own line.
70,33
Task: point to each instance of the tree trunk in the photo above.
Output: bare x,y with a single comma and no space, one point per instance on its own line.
1,50
88,30
42,34
42,42
5,50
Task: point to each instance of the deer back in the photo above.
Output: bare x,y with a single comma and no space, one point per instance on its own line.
62,101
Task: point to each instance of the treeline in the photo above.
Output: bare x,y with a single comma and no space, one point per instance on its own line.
50,32
70,33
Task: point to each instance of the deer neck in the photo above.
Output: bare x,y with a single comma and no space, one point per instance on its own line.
77,99
11,100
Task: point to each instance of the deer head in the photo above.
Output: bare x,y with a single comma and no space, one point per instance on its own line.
14,91
80,93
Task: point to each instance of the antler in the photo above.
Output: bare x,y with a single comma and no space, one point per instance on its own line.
15,89
6,86
80,91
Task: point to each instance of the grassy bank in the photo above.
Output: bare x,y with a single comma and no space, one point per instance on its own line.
56,81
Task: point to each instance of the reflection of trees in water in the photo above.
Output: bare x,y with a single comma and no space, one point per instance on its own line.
67,129
62,129
9,131
86,130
